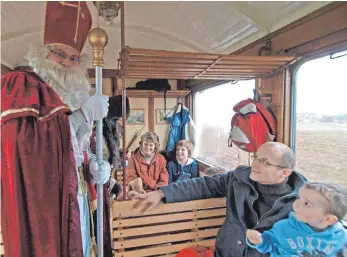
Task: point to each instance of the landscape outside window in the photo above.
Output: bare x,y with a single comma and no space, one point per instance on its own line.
213,113
321,119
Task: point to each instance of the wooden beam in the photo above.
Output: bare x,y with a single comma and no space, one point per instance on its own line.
5,69
174,54
22,68
327,20
328,41
252,49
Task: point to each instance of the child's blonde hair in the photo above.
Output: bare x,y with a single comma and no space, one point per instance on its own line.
186,144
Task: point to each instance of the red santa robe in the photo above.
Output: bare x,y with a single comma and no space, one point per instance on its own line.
40,215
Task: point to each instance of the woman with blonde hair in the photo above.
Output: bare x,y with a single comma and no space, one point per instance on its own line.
147,164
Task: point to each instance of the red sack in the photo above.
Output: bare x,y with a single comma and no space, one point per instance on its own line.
198,251
251,126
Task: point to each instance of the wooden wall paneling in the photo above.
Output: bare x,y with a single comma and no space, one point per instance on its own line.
277,84
151,114
114,86
287,106
274,85
181,84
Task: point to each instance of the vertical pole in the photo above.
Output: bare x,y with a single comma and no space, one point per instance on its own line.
100,187
124,94
122,29
98,38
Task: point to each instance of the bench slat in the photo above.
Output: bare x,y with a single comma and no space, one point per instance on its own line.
153,229
152,219
168,218
211,213
126,208
167,228
154,240
155,250
210,222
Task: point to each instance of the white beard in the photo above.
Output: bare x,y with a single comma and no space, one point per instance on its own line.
71,84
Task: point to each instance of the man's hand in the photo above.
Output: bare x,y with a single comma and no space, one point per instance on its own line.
254,236
101,174
148,201
95,108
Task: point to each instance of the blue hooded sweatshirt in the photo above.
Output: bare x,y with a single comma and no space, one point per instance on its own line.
179,172
290,237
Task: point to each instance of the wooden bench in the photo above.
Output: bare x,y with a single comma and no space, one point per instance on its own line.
167,229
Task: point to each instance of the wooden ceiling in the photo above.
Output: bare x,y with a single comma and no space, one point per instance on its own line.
160,64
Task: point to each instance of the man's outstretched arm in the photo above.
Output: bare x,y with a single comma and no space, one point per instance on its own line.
194,189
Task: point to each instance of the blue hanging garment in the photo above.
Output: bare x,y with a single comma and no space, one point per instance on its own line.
181,127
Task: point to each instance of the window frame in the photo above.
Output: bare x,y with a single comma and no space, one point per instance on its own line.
193,111
293,98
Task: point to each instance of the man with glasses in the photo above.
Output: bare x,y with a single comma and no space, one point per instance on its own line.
256,196
45,115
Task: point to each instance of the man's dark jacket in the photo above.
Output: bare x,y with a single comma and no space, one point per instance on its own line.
240,195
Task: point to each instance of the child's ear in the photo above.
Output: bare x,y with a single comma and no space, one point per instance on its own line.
330,219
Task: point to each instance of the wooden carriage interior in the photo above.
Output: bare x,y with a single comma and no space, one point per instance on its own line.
172,227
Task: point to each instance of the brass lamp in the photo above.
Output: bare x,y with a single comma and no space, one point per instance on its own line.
108,10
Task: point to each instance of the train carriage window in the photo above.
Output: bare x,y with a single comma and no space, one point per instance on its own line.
213,112
320,131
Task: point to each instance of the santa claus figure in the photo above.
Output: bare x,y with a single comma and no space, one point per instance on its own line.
45,116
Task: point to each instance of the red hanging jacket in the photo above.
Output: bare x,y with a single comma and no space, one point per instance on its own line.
251,126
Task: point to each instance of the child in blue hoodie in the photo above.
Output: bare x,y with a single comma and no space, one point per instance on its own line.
184,167
313,229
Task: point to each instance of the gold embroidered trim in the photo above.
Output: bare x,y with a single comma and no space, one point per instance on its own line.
54,111
29,109
78,21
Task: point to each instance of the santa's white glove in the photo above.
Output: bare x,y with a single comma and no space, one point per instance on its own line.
95,108
101,174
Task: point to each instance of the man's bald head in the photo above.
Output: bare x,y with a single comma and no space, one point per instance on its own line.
287,156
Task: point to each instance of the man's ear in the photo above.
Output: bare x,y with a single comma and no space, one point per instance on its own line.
286,173
330,219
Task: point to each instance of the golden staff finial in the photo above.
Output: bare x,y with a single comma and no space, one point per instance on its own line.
98,39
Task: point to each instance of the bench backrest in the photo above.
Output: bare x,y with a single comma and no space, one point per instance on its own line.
167,229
